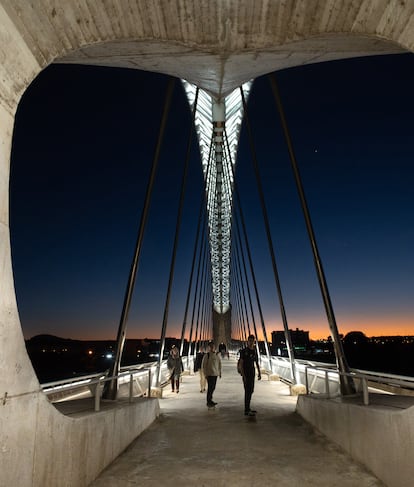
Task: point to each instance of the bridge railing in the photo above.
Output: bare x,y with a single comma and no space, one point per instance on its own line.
363,380
133,381
93,385
282,367
322,378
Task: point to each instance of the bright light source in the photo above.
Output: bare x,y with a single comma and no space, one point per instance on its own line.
218,144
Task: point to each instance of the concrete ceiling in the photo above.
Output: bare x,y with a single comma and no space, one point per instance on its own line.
216,44
220,73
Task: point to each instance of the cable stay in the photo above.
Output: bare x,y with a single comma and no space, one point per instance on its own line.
200,296
252,273
202,328
176,237
236,254
111,387
288,337
236,295
347,383
201,258
201,225
200,230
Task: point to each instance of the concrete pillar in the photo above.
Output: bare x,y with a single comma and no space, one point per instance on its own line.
222,327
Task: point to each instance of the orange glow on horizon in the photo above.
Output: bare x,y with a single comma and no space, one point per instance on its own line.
371,326
375,326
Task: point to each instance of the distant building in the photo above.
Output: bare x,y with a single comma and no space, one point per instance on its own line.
300,341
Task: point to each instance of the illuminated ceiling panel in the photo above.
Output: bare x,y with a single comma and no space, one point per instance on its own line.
218,124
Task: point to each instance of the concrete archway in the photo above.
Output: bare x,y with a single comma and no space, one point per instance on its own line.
217,45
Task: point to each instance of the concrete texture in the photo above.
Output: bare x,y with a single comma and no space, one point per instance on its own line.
193,446
69,450
380,435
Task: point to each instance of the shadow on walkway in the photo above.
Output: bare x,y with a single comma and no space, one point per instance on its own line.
190,445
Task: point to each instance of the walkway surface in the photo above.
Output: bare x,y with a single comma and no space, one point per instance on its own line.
190,445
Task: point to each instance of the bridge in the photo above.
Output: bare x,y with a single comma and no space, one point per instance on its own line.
197,446
187,442
216,48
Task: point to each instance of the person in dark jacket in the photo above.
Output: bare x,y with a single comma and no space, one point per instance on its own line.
223,350
175,367
247,361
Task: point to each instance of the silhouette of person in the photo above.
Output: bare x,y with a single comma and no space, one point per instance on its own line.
175,367
248,359
223,350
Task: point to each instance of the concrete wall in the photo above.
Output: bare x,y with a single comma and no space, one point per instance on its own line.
42,448
382,439
215,44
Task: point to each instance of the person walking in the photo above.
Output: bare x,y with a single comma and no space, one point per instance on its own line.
247,360
175,367
211,366
223,350
197,367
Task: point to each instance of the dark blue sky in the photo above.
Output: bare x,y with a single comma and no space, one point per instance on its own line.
83,144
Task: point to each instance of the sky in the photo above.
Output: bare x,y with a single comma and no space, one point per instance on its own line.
83,145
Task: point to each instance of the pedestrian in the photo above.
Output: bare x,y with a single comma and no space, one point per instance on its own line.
175,367
197,367
211,366
245,366
223,350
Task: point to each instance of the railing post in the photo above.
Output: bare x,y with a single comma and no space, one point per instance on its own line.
131,386
365,390
97,395
327,383
149,382
306,380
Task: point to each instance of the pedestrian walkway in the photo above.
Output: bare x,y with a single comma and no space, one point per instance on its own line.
190,445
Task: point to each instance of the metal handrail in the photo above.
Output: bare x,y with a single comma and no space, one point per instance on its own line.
80,378
67,382
364,376
95,381
98,381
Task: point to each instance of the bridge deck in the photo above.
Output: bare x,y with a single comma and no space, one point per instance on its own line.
192,446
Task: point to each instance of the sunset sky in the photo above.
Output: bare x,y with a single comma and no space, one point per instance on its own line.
83,144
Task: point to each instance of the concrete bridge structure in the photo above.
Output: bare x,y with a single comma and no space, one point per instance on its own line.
216,45
192,445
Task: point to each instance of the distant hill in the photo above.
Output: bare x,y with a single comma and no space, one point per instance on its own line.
54,358
48,339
